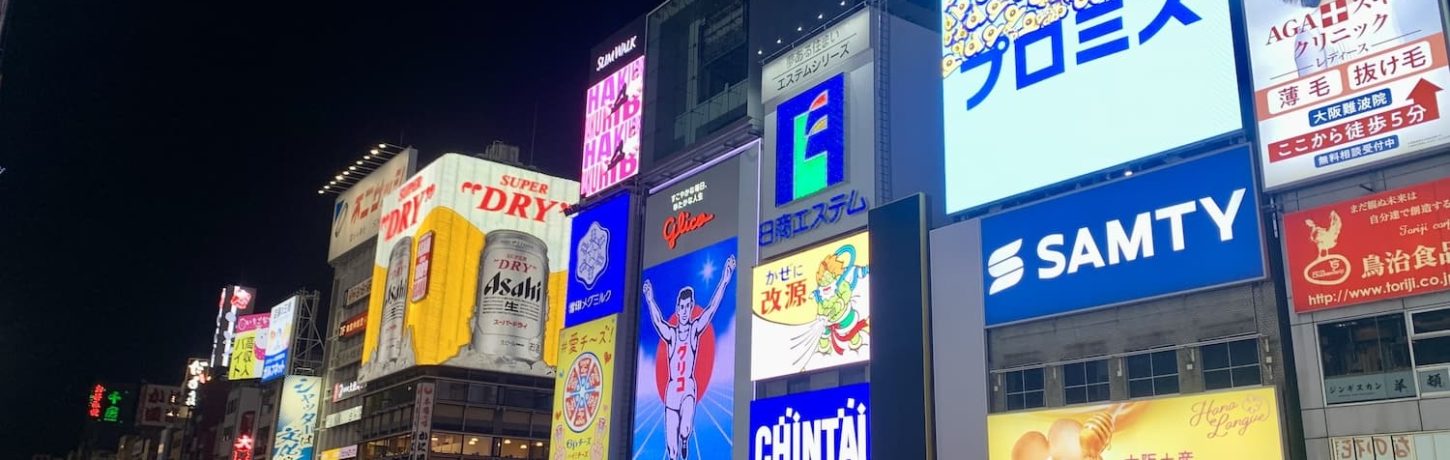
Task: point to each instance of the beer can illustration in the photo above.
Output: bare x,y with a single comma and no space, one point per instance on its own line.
512,305
395,302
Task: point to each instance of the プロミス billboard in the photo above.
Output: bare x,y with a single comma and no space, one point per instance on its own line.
249,347
1035,93
355,213
601,248
613,111
685,374
584,390
812,310
278,340
1340,84
830,424
296,418
1230,424
1383,246
489,244
1189,226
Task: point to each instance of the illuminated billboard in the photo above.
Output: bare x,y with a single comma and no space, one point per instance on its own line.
613,111
296,418
249,348
830,424
470,270
161,405
685,374
1343,84
355,213
1193,225
600,259
278,340
584,390
1382,246
109,404
812,310
235,301
1230,424
693,213
1035,93
196,376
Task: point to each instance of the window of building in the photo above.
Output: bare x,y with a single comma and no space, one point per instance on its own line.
478,419
1085,382
482,394
853,375
1152,374
517,397
448,416
1431,337
453,391
1366,359
798,384
1024,389
447,443
520,448
478,445
1231,364
515,423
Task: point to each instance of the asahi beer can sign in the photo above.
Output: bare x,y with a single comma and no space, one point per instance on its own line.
470,270
513,285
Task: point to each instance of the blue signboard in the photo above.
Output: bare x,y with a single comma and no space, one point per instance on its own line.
810,141
832,424
600,245
1189,226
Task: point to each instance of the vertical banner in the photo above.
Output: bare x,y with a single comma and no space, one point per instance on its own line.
1383,246
422,422
1339,84
279,340
685,375
297,418
613,111
356,211
235,302
584,391
831,424
247,350
601,252
812,310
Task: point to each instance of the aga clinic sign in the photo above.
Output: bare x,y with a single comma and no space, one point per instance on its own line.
1232,424
1382,246
1038,92
1189,226
601,246
831,424
1341,84
812,310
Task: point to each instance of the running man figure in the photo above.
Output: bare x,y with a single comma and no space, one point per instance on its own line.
682,341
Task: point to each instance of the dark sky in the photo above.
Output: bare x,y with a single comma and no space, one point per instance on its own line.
155,151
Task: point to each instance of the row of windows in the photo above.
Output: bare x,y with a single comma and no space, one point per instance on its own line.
1393,356
1225,365
472,419
450,446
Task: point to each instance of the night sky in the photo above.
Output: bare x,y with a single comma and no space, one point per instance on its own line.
155,151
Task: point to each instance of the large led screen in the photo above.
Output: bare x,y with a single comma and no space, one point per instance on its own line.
812,310
1037,92
685,375
470,270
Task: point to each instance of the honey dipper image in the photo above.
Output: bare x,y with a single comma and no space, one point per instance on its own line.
1071,439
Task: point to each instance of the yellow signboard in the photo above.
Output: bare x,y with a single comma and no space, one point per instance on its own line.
470,270
248,347
1241,424
812,310
583,390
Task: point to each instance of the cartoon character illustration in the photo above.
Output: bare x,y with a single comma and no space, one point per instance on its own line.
682,340
842,325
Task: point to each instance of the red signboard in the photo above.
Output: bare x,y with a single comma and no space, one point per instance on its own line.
1383,246
354,325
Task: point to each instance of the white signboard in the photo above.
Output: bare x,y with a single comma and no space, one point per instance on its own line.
355,213
818,55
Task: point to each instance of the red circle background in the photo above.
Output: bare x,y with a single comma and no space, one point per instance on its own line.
704,358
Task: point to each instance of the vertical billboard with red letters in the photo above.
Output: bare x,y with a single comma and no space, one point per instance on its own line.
1382,246
1340,84
613,111
470,271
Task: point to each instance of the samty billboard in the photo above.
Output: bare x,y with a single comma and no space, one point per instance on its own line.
470,270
